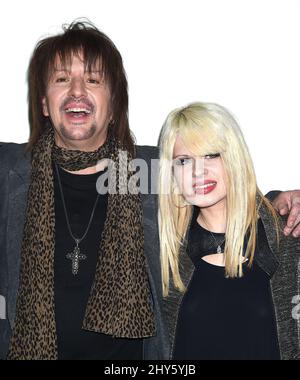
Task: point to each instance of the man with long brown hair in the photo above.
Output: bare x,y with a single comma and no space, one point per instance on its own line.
80,274
83,288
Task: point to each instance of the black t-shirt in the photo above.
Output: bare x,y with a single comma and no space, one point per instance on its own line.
222,318
72,292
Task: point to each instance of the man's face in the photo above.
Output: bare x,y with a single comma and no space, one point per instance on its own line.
78,104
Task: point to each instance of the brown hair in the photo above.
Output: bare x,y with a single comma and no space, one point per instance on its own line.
80,37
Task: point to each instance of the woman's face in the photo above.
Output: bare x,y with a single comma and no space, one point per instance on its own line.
201,180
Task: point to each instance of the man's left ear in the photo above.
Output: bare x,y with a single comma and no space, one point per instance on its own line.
45,107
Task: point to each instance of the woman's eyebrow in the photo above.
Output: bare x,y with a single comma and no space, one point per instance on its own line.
182,155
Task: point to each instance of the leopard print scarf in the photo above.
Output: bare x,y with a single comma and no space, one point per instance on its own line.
119,303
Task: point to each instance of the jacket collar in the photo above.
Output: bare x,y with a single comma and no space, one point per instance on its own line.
266,249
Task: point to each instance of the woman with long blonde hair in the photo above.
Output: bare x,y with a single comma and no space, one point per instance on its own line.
225,294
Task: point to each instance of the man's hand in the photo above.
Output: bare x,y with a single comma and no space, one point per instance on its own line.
288,202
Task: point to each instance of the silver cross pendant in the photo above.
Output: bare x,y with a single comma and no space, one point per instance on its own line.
76,257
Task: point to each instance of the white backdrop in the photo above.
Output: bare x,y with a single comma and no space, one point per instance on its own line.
243,54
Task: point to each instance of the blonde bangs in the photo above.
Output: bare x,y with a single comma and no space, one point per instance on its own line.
200,133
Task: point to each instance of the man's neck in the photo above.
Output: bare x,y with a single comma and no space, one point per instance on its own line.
83,147
100,166
86,171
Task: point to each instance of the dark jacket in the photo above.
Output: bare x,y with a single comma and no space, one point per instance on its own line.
14,182
281,263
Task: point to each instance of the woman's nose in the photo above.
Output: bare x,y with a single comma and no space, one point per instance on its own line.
199,168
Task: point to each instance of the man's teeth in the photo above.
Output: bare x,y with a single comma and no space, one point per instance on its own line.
205,186
68,110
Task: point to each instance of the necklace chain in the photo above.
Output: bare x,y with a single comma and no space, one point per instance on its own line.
76,255
219,246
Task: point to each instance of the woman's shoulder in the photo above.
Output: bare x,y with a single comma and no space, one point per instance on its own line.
280,244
